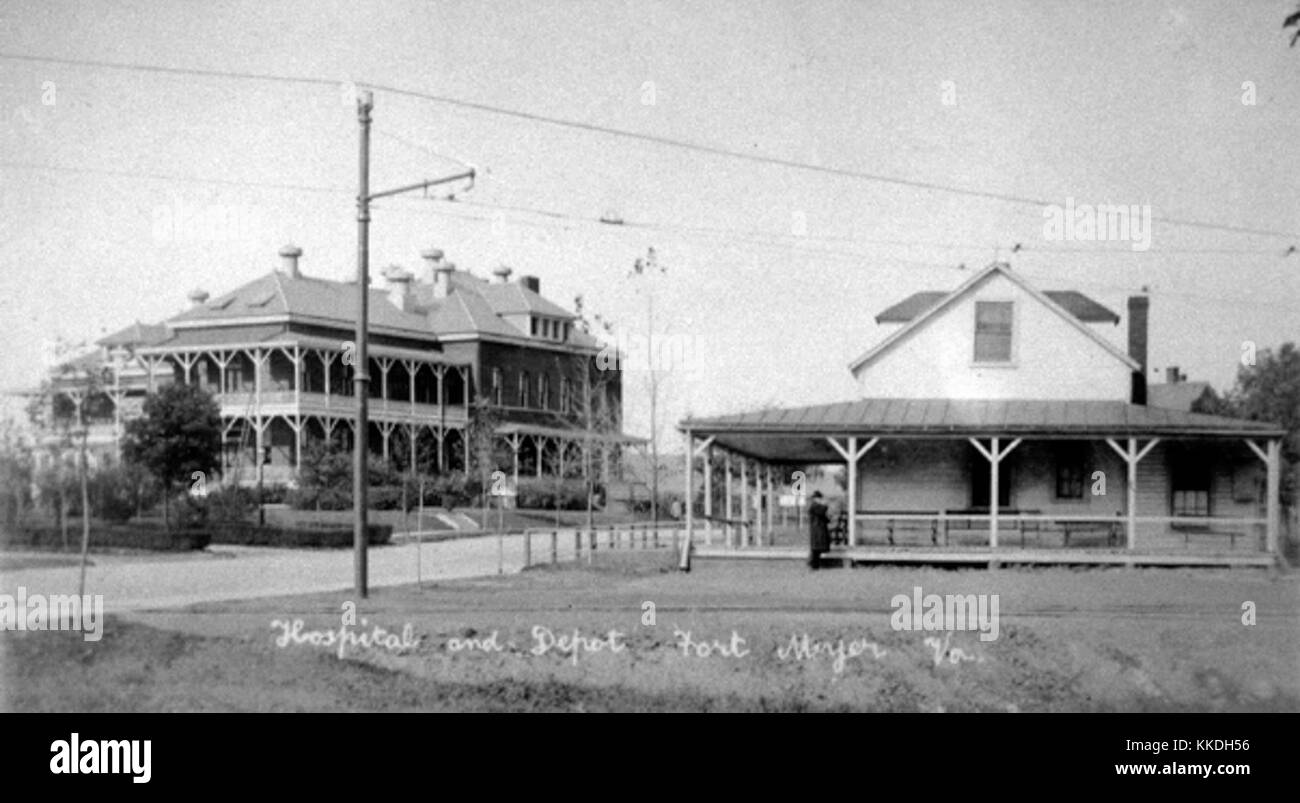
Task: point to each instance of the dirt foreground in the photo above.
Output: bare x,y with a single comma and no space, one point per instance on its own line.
631,634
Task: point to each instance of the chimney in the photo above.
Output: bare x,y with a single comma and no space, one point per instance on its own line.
1138,308
399,287
502,273
289,260
439,271
531,283
1172,375
198,298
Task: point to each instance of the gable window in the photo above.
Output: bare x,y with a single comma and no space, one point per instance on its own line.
524,381
993,331
1070,470
497,389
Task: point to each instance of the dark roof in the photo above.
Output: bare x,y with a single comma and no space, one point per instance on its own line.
1074,302
960,417
474,306
137,334
1176,395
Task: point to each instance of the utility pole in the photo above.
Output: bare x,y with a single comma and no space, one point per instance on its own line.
361,368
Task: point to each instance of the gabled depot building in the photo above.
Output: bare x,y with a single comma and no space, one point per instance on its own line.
996,415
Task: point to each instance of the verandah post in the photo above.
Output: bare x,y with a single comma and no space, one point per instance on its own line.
853,490
993,494
688,501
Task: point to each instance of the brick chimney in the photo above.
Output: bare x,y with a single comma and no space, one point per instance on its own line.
1138,309
289,260
399,287
531,283
439,271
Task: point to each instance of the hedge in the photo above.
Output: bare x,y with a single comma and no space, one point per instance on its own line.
114,536
248,534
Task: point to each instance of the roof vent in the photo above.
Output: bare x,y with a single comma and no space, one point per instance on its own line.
289,260
439,271
197,297
399,287
502,273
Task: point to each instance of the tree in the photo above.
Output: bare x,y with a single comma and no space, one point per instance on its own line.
1267,390
1293,21
483,453
178,434
69,398
16,473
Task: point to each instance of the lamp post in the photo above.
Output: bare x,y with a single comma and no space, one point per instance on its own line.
361,368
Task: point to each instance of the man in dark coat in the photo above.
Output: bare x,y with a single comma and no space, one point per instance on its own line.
819,535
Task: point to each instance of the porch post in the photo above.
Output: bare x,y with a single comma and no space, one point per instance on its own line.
1274,506
1132,456
1271,455
690,481
993,493
726,499
708,495
771,503
744,498
852,460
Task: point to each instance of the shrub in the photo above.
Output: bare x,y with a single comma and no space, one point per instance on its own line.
333,537
230,503
138,535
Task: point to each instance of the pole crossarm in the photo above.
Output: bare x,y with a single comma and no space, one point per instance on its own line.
423,185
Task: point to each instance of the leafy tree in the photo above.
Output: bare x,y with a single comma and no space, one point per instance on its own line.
1268,390
71,396
178,434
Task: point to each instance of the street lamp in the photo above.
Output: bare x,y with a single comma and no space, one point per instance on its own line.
361,368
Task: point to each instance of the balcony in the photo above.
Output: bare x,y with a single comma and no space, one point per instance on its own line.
282,402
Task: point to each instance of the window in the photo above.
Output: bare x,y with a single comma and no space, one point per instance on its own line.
497,389
1191,486
544,391
566,396
993,331
1070,470
523,388
534,325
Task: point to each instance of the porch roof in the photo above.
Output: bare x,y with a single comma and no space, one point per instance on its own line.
798,434
519,428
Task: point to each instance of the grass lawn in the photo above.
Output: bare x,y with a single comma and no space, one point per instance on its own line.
1098,639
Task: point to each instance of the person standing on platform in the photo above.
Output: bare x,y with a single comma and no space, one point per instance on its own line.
819,535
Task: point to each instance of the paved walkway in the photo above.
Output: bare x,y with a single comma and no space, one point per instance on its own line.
230,573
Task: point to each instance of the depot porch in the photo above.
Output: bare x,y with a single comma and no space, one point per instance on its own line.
1026,481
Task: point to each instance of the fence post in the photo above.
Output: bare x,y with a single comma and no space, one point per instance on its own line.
528,548
555,547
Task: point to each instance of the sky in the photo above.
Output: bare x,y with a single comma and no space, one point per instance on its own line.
772,273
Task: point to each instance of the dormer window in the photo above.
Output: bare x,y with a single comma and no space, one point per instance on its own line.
993,321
